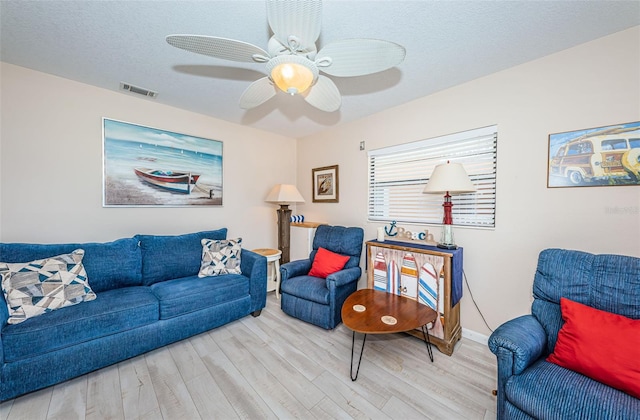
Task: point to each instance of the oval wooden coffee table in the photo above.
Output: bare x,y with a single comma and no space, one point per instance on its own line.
369,311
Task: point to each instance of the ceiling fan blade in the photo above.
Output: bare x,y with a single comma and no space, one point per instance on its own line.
227,49
257,93
301,19
358,57
324,95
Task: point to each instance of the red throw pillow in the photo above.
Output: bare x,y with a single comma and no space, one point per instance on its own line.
327,262
601,345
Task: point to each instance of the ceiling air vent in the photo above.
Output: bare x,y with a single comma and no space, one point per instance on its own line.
138,90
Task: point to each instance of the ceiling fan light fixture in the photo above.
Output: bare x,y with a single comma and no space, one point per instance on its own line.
292,78
291,73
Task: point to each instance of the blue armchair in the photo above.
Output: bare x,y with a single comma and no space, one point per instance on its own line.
317,300
528,385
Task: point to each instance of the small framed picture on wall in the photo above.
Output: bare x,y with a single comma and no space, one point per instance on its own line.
325,184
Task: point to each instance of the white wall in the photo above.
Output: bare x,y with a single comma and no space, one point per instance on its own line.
591,85
51,166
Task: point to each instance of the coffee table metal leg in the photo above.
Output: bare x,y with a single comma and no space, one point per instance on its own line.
353,343
427,341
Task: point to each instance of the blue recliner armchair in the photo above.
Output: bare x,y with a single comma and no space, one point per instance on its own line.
317,300
528,385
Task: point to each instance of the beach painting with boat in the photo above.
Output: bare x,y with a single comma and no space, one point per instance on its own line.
145,166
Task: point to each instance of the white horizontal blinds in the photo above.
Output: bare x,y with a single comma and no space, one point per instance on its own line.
398,174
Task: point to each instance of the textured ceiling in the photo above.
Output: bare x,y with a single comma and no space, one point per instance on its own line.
102,43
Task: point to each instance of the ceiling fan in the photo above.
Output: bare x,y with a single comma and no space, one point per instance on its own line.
293,61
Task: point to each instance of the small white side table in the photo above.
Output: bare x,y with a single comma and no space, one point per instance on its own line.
273,268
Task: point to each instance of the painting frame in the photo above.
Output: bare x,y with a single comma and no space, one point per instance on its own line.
325,183
595,157
144,166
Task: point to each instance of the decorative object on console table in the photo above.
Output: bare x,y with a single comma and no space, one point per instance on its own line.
438,282
448,178
302,235
325,184
381,234
284,194
297,218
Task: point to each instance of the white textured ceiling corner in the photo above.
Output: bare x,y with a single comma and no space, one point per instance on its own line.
447,43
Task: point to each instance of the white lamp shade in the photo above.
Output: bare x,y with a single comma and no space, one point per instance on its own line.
284,193
449,177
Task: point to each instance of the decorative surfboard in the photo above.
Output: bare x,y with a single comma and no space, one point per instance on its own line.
393,278
428,286
441,292
379,272
409,277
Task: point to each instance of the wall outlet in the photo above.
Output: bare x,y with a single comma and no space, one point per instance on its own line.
362,145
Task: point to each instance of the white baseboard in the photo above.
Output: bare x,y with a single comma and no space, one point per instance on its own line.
475,336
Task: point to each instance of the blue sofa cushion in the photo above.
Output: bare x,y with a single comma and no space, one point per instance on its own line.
173,257
341,240
610,283
308,288
108,265
189,294
113,311
546,390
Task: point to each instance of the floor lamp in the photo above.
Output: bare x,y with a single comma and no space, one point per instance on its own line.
448,178
284,194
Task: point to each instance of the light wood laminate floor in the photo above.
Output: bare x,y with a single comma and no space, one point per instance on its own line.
275,366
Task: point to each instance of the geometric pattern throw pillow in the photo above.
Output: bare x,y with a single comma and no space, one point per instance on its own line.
220,257
37,287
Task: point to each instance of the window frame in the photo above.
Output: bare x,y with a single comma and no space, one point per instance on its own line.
400,173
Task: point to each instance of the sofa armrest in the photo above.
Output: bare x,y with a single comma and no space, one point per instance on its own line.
342,277
4,317
4,313
294,269
523,337
517,344
254,266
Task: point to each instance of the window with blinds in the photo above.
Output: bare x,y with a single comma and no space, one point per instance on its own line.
398,174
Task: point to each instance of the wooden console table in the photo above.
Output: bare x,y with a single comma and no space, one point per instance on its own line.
425,273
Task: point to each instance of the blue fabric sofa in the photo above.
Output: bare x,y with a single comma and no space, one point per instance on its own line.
148,295
528,385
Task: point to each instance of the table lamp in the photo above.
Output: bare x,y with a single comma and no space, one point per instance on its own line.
284,194
448,178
